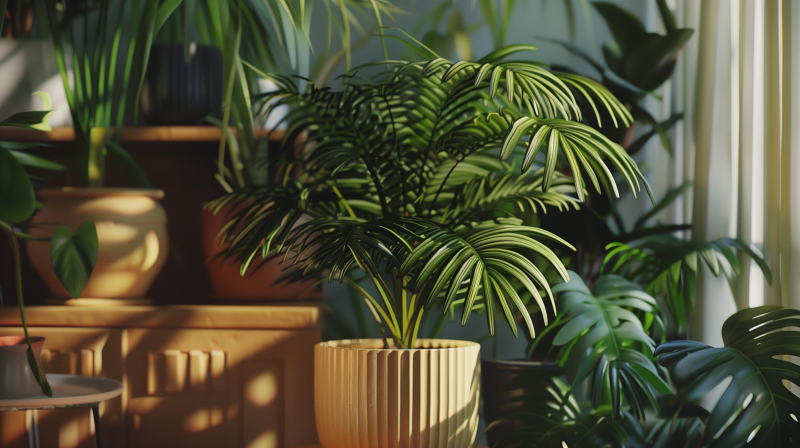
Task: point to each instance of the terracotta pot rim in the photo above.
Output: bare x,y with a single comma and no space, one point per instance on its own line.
94,192
18,340
348,344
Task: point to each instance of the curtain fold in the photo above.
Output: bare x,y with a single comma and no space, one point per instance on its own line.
742,147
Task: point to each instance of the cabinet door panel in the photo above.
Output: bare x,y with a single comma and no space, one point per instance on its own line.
210,388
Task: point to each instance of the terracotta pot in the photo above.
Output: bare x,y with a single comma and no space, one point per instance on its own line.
16,377
258,283
131,231
370,397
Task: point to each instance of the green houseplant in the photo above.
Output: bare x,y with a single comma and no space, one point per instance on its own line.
757,407
636,63
242,156
400,184
72,256
100,65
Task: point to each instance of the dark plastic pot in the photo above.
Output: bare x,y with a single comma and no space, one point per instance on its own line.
504,383
179,93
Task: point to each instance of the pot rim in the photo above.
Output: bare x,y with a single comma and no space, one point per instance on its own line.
520,363
347,344
93,192
13,341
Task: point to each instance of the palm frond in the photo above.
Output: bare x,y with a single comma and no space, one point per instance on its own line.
668,265
481,196
398,180
584,148
483,257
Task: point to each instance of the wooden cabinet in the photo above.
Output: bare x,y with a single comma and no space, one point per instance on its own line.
200,376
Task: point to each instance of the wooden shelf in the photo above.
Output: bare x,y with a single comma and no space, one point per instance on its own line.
139,134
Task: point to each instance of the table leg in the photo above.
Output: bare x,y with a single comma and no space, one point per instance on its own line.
96,416
33,428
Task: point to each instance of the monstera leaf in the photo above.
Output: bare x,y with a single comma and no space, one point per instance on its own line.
603,339
757,407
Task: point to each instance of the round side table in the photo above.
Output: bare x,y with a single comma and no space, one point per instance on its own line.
69,391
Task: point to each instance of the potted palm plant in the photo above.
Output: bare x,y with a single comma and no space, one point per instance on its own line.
404,184
72,257
107,62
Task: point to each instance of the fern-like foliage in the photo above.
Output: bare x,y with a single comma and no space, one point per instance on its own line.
667,265
553,418
602,339
405,178
757,407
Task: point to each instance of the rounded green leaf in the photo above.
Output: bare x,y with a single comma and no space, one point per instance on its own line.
73,256
17,200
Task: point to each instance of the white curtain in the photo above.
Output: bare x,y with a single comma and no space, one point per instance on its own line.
740,144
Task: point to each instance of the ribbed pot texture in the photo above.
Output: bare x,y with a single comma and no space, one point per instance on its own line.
176,92
370,397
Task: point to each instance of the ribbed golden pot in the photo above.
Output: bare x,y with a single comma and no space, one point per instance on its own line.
370,397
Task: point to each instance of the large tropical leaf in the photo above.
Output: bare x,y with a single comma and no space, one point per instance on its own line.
757,408
603,337
666,264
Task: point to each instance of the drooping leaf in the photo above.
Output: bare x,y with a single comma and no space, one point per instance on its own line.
35,161
73,256
32,120
627,29
17,199
650,54
757,408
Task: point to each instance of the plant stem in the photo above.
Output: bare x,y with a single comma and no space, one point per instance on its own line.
97,139
666,16
18,283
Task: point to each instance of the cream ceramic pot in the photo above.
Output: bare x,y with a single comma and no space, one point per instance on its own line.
131,231
370,397
16,377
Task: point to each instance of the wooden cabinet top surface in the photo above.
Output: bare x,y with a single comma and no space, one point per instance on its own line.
130,134
300,315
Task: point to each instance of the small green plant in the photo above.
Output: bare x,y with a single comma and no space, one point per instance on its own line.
73,256
106,46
